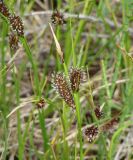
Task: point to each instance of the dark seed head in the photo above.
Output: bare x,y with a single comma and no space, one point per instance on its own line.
13,41
4,10
91,133
62,87
40,103
17,24
57,18
98,113
76,76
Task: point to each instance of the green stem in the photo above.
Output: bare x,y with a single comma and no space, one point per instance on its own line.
78,113
34,65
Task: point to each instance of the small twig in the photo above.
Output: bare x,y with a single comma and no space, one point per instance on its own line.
80,16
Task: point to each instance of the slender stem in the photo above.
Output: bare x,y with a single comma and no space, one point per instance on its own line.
34,65
78,111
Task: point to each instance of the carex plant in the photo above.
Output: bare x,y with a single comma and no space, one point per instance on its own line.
16,26
66,85
16,35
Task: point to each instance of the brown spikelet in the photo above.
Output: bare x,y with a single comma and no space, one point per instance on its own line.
17,24
62,87
91,133
4,10
109,125
57,18
13,41
40,103
76,76
98,113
